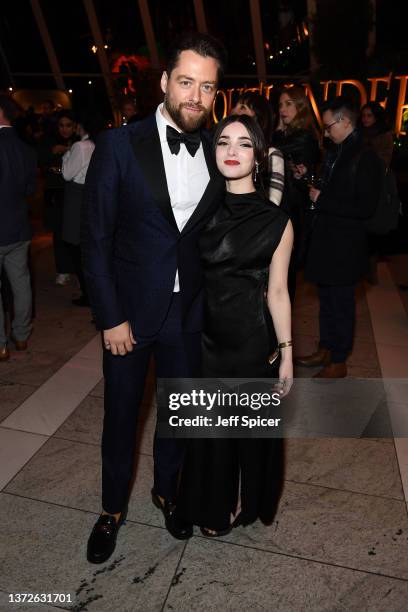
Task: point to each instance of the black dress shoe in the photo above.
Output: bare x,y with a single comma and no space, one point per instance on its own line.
176,526
102,540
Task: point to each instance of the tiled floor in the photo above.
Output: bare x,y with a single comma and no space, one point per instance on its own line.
339,540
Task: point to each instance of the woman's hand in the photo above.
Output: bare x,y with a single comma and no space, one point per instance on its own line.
285,376
119,340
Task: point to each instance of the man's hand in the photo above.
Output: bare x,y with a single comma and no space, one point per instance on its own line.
119,340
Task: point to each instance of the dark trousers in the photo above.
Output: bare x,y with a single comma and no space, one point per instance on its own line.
54,199
336,320
177,355
77,261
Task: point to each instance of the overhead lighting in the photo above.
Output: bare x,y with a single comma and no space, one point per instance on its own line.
10,89
69,90
280,52
105,47
89,82
271,57
94,48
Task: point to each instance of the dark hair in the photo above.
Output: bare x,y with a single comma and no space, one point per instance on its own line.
342,106
9,107
68,114
92,123
262,109
203,44
379,114
254,130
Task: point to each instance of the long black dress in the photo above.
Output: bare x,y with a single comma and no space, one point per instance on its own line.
237,248
298,146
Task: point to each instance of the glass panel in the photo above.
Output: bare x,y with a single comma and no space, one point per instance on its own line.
70,33
285,36
21,40
231,23
169,20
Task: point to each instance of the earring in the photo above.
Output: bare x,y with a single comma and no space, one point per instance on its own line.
256,171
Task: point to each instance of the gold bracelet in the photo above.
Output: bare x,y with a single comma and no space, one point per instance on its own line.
282,345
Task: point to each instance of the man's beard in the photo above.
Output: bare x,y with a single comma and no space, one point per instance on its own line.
186,123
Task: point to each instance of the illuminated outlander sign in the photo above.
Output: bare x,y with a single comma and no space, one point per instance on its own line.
225,99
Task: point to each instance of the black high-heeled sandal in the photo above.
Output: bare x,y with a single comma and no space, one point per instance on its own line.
237,522
213,533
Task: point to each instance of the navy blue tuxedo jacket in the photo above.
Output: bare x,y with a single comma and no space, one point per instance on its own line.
130,241
18,173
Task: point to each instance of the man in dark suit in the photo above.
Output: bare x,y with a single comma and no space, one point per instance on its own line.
337,256
17,181
151,188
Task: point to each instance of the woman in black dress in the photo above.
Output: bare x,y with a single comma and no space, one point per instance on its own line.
50,152
297,138
245,250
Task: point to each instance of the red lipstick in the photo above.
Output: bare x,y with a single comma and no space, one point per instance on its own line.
231,162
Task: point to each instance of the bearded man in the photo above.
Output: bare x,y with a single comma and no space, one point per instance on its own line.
151,188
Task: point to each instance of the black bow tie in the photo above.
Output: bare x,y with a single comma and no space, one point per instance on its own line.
191,140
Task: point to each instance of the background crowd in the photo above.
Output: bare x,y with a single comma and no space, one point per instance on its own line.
63,141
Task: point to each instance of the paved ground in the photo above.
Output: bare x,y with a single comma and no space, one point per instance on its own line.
339,540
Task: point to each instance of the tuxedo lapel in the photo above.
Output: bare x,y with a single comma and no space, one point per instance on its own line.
147,149
209,154
214,190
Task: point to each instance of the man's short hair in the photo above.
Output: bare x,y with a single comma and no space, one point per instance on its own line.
342,107
202,44
9,107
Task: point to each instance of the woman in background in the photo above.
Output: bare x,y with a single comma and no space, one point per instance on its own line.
377,136
50,152
254,105
74,168
375,131
297,137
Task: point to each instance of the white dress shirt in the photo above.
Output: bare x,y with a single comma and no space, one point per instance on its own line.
75,162
187,177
